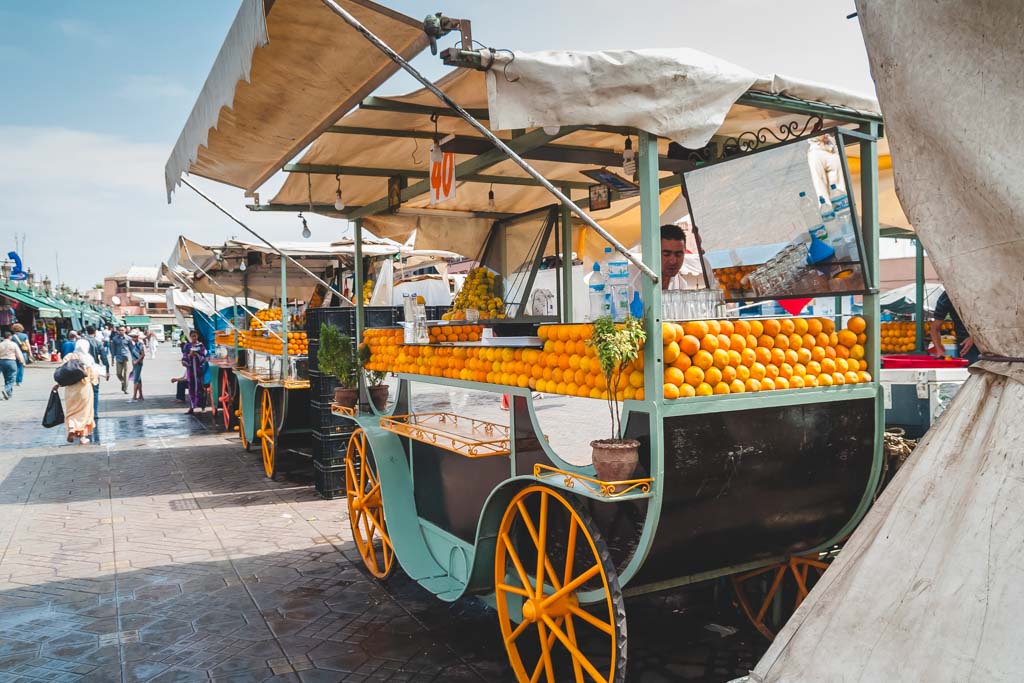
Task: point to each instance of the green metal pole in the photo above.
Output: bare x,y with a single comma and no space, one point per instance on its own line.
357,291
869,219
650,240
567,314
920,346
284,317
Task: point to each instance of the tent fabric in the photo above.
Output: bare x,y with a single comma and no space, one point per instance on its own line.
904,299
930,586
297,52
681,94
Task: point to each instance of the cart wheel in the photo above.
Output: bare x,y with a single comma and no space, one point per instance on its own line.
227,399
241,430
366,508
753,587
549,559
213,406
267,433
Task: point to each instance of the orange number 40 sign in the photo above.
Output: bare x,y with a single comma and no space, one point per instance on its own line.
442,179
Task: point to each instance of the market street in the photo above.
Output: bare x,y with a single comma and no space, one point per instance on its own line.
163,553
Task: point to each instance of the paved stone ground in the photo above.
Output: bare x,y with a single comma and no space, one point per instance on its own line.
162,553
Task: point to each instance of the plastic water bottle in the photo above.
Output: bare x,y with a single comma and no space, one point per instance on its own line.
845,239
596,292
828,219
809,212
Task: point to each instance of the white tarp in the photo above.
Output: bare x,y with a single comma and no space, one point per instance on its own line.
678,93
931,585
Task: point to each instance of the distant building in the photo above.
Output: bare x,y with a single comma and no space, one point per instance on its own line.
139,295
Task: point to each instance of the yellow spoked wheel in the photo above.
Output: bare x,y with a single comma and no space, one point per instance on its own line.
759,587
267,434
549,562
366,508
241,429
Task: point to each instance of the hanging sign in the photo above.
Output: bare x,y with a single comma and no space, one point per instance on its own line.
442,178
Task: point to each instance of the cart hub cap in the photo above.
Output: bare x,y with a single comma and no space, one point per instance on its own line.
371,501
534,610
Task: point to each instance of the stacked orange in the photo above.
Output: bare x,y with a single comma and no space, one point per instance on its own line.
901,336
706,357
298,344
731,278
455,333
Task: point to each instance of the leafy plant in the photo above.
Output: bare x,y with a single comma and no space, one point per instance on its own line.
335,356
373,377
617,345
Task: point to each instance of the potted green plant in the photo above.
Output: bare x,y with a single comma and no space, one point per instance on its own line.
374,379
617,345
335,358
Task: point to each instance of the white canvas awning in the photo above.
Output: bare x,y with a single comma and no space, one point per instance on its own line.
287,70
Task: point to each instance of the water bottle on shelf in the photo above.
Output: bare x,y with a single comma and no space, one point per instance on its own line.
845,240
809,211
596,290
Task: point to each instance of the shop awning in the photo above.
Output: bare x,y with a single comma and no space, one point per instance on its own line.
44,310
287,51
136,320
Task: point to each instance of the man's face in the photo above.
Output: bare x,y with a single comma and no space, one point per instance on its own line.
121,330
672,254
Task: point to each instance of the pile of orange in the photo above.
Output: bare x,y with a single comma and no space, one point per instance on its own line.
901,336
267,314
455,333
706,357
731,278
298,344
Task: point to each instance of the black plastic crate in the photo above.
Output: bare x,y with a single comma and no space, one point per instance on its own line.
329,447
435,312
313,348
383,316
321,417
321,386
345,319
329,480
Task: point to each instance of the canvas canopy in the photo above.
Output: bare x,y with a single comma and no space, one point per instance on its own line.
930,587
283,51
904,299
394,134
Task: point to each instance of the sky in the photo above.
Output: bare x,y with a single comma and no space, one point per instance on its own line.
96,93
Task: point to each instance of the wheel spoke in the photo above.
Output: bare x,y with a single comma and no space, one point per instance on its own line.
545,652
586,616
513,589
572,585
577,670
570,550
550,640
542,536
573,650
548,567
515,560
523,625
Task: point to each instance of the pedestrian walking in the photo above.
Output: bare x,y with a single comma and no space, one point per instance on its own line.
79,418
193,357
137,349
121,356
10,359
68,345
21,339
105,333
151,342
90,350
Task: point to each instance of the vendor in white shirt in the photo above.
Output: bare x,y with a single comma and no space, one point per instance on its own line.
673,254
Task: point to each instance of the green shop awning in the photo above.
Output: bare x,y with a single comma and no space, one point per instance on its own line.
44,310
136,320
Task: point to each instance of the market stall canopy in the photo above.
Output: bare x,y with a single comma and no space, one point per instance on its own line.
391,136
904,299
185,299
283,51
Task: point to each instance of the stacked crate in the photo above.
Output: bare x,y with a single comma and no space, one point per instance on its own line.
331,432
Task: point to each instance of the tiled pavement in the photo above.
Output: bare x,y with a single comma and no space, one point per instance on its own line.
163,554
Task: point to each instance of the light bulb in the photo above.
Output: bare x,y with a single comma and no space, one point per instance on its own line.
490,200
242,266
552,130
305,227
436,155
339,203
629,159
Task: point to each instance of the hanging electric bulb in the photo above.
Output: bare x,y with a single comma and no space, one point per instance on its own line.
339,203
242,266
305,227
552,130
629,159
490,199
436,155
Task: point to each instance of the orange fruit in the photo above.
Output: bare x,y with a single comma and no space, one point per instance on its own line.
766,341
777,356
703,359
781,383
671,352
668,333
800,325
752,385
727,326
862,338
748,356
830,352
772,327
787,326
818,352
694,376
720,358
724,342
804,355
714,327
857,324
824,380
757,371
682,362
786,370
728,373
864,376
736,387
671,390
828,366
743,373
847,338
721,388
767,384
695,328
814,326
737,342
704,389
814,368
713,376
811,380
679,330
674,375
629,393
709,343
689,344
751,341
781,341
756,328
856,351
828,325
795,341
808,340
792,357
796,382
842,365
636,379
851,377
687,391
735,358
763,354
838,378
741,327
771,371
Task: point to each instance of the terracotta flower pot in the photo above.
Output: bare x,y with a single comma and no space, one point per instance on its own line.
346,397
379,396
615,459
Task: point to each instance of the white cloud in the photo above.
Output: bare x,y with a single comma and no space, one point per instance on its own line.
143,88
98,203
83,30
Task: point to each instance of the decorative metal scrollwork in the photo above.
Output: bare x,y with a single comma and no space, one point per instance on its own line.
748,141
